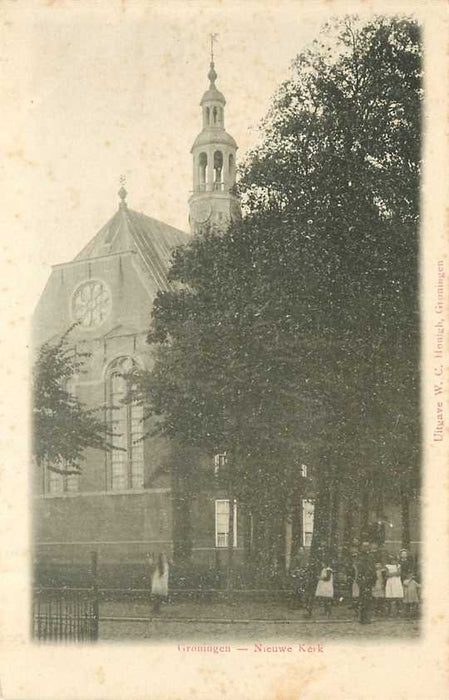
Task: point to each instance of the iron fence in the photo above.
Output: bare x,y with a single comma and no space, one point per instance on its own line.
65,614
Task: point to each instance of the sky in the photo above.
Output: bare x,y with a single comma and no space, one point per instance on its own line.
95,89
98,90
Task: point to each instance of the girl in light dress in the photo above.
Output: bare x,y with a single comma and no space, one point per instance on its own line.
159,571
325,588
394,592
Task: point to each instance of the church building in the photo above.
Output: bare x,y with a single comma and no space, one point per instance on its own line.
121,505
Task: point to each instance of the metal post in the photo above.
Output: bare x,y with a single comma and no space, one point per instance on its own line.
95,606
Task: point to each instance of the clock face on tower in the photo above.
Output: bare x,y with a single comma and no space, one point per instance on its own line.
91,304
201,212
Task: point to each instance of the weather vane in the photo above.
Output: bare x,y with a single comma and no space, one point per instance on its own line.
213,37
123,180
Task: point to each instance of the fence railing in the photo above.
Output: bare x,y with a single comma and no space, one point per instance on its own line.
65,615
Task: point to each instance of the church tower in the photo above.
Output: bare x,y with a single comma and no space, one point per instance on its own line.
213,202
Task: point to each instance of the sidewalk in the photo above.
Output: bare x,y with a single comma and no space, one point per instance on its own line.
216,609
240,610
243,619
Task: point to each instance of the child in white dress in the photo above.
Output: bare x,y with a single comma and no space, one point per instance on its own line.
159,573
394,592
325,588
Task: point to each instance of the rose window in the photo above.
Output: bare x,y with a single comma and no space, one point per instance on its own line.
91,304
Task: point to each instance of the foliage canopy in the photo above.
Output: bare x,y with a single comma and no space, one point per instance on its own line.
63,427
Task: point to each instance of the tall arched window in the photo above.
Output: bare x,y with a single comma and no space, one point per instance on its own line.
231,169
218,170
207,115
202,166
215,113
126,424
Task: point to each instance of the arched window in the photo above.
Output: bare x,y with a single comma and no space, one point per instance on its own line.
218,170
207,115
215,113
231,169
202,166
126,424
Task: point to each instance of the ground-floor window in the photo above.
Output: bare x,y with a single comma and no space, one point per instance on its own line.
61,483
308,508
222,523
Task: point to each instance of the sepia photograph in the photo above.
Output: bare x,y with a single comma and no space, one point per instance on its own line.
229,408
226,418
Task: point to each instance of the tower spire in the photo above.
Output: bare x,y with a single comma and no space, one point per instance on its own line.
212,75
213,37
213,201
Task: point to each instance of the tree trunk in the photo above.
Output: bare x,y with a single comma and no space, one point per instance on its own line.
258,544
364,515
379,502
278,541
320,523
247,539
335,509
348,532
230,560
297,528
405,516
265,545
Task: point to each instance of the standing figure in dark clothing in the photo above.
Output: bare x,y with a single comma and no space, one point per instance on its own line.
366,576
353,590
406,563
378,590
313,571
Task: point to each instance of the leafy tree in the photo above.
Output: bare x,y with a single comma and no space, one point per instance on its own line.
63,427
294,335
224,372
340,162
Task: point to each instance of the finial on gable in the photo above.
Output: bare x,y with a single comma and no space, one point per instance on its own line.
122,192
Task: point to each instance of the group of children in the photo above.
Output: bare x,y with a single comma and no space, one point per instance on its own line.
394,588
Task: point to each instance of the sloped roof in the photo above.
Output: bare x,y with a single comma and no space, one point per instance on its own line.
213,95
130,230
213,135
